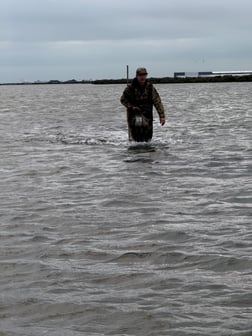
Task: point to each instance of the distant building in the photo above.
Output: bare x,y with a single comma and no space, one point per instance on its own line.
211,74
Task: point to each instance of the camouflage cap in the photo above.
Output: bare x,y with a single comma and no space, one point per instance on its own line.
141,71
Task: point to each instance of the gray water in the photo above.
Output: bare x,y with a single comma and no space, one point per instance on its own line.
102,237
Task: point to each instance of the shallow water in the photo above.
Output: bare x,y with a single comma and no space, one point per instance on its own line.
102,237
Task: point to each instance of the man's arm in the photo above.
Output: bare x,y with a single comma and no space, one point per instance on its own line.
125,98
158,105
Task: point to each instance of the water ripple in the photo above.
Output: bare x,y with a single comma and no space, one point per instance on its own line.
102,237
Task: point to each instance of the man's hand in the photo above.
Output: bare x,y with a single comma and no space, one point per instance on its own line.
162,121
136,108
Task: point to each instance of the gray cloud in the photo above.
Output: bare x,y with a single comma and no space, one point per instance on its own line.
82,38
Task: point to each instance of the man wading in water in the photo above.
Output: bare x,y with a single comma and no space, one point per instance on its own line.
139,98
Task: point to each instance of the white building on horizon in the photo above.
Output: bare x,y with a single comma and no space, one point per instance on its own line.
211,73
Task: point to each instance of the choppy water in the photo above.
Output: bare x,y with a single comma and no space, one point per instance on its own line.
99,237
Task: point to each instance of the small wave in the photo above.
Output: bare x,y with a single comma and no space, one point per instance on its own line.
72,138
133,256
113,138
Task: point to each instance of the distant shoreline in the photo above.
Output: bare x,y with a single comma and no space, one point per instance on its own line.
154,80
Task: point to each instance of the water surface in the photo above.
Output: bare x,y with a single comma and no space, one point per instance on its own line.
102,237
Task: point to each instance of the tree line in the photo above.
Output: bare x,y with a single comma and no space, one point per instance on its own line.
154,80
171,80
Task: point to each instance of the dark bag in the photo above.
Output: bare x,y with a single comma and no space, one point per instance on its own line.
141,128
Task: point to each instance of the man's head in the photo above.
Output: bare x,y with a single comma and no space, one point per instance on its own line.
141,74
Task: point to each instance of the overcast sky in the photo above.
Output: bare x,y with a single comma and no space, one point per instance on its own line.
83,39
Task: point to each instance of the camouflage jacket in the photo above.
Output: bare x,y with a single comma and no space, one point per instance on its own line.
144,98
